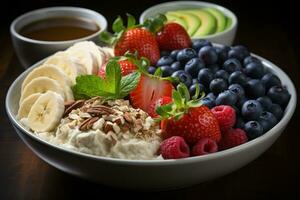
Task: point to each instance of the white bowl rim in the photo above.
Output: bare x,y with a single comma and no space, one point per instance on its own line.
200,4
283,122
102,24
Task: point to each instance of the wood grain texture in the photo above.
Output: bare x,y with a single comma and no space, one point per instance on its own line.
274,174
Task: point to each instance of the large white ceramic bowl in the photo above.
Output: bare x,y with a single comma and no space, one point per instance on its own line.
225,37
149,174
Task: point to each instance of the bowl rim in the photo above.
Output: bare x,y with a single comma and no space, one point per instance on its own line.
224,10
102,24
158,162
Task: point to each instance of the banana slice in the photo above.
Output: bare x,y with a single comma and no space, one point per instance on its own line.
46,112
69,64
109,52
26,105
41,85
92,48
86,58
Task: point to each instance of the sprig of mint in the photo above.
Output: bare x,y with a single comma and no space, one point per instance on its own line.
113,86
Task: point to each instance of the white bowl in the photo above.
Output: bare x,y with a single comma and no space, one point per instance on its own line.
225,37
149,174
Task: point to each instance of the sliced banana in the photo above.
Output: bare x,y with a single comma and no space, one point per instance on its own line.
50,71
26,105
109,52
86,58
46,112
69,64
41,85
92,48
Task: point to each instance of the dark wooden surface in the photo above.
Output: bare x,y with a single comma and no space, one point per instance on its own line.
274,174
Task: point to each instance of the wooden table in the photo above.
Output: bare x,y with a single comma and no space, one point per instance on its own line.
274,174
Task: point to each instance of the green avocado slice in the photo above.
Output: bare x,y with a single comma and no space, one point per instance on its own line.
174,18
229,22
220,17
208,23
193,23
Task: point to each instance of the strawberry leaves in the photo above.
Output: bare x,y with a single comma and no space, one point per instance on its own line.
155,24
113,86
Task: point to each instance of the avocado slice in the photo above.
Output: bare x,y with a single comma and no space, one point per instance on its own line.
192,20
174,18
229,22
208,23
220,17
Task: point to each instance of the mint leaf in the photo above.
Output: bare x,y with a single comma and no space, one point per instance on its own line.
130,21
113,75
158,72
118,25
128,83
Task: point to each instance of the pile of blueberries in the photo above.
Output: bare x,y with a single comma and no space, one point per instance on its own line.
229,76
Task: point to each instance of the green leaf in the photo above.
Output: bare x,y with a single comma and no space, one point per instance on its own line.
156,23
129,83
177,98
106,37
196,92
194,103
184,92
118,25
130,21
112,81
158,72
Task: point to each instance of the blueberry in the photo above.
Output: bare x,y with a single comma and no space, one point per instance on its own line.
251,110
239,123
250,59
176,75
173,54
254,88
222,53
193,66
176,66
265,102
185,78
194,81
240,102
276,110
208,102
185,55
241,51
151,69
238,90
214,67
232,65
211,95
226,98
270,80
165,60
164,53
279,95
192,88
199,43
237,77
253,129
222,74
267,120
208,54
254,70
205,76
236,54
218,85
166,71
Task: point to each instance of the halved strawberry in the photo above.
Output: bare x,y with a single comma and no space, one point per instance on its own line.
159,102
149,89
126,66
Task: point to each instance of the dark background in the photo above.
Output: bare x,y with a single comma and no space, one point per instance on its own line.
268,28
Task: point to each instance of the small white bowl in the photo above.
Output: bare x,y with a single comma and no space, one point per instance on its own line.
149,174
225,37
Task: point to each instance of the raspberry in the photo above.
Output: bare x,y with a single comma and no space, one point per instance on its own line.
174,147
225,116
232,138
204,146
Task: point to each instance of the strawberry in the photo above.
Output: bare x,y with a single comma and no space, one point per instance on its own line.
150,88
169,36
126,66
173,36
132,39
159,102
188,118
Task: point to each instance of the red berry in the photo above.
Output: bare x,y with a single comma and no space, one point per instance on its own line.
174,147
173,36
232,138
159,102
140,40
150,89
225,115
197,123
126,66
204,146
